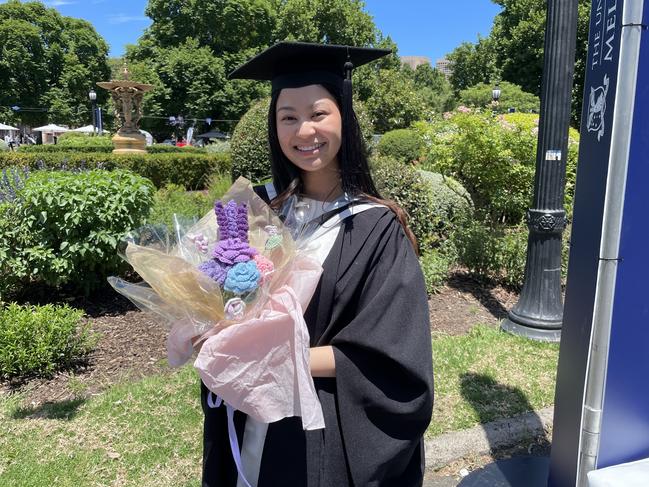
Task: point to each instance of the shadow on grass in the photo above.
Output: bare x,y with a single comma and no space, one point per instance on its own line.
481,290
511,443
494,401
66,409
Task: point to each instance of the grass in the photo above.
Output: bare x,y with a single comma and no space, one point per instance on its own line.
148,433
488,374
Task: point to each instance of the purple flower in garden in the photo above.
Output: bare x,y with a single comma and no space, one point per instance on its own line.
242,278
233,251
233,220
214,270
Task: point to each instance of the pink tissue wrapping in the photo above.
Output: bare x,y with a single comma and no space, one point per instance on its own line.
261,366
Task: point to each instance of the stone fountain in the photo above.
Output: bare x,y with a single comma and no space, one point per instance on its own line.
127,96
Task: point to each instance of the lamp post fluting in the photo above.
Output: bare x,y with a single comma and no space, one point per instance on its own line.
538,313
92,95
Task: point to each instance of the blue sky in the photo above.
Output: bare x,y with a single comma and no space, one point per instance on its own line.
419,27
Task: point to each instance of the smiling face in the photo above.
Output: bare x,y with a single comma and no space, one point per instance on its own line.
309,126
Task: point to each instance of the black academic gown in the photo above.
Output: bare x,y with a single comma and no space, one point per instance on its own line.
371,307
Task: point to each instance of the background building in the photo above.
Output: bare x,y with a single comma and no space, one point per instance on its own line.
444,66
414,61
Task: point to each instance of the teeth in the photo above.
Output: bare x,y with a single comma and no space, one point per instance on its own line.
309,148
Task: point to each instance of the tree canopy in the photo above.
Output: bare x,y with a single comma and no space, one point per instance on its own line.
48,63
513,51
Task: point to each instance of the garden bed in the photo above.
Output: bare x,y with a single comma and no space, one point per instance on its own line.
131,345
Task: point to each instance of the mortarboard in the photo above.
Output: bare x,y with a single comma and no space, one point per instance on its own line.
297,64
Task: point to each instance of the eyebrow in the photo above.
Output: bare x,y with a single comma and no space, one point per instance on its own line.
286,108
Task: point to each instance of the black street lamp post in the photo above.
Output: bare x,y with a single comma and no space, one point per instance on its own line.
93,98
538,314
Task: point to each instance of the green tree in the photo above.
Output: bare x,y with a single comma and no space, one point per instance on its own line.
48,63
395,102
518,35
473,64
222,25
192,45
511,96
328,21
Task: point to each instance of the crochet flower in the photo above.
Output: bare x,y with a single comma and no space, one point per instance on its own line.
200,241
234,309
264,265
214,270
233,251
242,278
232,220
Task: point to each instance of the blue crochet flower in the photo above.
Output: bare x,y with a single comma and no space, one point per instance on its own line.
242,278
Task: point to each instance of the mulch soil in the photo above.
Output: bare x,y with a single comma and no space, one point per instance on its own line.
131,344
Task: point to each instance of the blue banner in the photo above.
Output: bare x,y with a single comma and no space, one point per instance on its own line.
592,172
625,416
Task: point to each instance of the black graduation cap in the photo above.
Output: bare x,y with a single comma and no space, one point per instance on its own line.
297,64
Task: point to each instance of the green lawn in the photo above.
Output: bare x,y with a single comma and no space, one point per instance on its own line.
148,433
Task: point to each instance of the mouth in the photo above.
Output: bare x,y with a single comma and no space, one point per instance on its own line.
309,148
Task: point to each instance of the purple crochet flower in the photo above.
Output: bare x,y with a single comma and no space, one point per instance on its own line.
232,219
242,278
214,270
233,251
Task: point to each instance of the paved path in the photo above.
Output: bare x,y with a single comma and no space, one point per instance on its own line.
480,440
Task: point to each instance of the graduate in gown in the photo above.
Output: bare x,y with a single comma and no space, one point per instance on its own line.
371,357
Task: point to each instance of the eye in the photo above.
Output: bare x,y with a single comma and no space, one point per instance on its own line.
287,118
319,114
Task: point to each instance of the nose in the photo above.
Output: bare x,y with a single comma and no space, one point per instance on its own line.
305,129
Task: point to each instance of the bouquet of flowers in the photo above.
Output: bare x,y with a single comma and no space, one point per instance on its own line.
236,280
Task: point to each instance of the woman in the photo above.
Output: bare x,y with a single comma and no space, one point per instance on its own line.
371,358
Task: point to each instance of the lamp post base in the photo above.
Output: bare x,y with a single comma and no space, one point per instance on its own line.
514,472
543,333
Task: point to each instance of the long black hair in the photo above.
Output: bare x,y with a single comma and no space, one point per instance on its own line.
352,159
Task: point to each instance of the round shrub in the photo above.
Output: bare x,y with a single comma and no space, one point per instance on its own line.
39,340
3,146
404,145
405,186
249,144
451,203
76,220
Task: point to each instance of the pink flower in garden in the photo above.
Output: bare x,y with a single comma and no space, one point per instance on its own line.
463,109
264,265
447,115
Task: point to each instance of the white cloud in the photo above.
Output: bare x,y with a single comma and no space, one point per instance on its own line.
123,18
58,3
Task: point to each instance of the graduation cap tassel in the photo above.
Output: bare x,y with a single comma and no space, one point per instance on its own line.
347,110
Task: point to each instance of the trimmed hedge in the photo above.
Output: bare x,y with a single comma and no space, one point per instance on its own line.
51,148
405,186
249,144
39,340
64,228
404,145
166,149
190,170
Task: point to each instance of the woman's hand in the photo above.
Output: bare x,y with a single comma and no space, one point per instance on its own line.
323,363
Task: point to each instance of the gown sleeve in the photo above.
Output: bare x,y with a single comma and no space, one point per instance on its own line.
384,370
